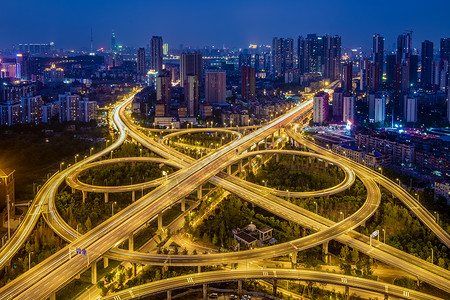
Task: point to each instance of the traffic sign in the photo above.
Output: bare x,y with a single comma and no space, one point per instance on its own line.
375,233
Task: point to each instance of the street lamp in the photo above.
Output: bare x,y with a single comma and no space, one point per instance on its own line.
384,235
164,174
112,208
77,228
29,259
76,158
343,216
265,183
60,166
381,170
316,206
399,182
90,151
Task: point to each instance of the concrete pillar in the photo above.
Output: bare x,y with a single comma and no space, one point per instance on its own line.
275,288
106,197
265,143
73,191
199,193
131,242
239,287
133,196
273,138
183,204
53,296
94,273
262,159
169,295
326,164
278,157
199,269
205,291
84,196
347,292
134,269
229,170
386,296
240,166
160,224
293,158
279,132
249,163
309,158
105,262
294,258
325,252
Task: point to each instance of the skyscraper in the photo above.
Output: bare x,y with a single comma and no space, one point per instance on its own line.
378,60
156,53
163,91
288,54
404,46
349,108
338,99
113,42
320,107
445,48
192,95
190,64
310,53
347,77
427,64
301,54
282,55
141,61
248,79
216,87
331,61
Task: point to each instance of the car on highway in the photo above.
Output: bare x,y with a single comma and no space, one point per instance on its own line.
213,296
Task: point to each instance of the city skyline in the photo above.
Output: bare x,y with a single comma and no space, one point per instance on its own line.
254,22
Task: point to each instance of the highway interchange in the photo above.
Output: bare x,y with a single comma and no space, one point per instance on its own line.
59,269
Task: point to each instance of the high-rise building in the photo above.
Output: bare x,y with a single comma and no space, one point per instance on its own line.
32,109
190,64
140,62
404,47
163,91
379,110
88,110
282,55
413,70
165,49
338,102
331,57
215,90
24,62
347,77
320,108
69,107
156,53
410,109
445,48
349,108
427,64
364,72
310,53
391,65
113,42
377,60
53,75
248,79
192,95
7,192
288,54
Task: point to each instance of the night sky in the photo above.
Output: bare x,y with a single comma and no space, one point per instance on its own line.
233,23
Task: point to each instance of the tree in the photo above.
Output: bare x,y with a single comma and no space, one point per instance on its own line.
88,224
355,256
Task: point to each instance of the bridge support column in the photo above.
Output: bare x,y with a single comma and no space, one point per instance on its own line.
293,158
275,288
279,132
134,269
105,262
265,143
131,242
273,138
205,291
386,296
277,157
160,224
169,295
94,273
239,287
183,204
229,170
52,296
309,159
199,269
325,252
240,166
133,196
73,191
199,193
106,197
84,196
347,292
294,258
262,159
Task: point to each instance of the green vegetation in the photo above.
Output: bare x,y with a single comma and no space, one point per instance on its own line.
204,139
298,175
232,213
36,150
41,244
405,232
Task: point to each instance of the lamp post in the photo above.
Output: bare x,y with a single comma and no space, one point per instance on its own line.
418,196
77,227
316,206
399,182
60,166
343,216
76,158
384,235
29,259
432,255
381,170
90,151
112,208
